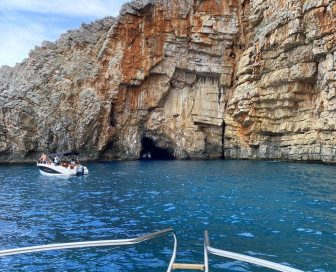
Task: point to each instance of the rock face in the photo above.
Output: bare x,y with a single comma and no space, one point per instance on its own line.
282,105
195,78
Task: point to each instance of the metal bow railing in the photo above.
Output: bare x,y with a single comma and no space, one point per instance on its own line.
172,264
241,257
101,243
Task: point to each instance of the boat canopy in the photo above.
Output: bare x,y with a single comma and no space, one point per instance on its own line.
66,153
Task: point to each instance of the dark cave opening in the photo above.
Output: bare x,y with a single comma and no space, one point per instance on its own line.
223,141
112,115
151,152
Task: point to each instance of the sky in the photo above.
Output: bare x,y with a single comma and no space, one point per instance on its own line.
27,23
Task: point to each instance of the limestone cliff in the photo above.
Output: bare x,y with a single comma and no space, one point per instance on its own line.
196,78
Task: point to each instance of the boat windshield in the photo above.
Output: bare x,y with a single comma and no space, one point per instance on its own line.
68,157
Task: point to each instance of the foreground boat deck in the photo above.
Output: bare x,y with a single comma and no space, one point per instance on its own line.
172,264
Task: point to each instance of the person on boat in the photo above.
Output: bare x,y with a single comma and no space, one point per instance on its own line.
73,162
43,158
57,160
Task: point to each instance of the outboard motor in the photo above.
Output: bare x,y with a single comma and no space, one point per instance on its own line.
80,170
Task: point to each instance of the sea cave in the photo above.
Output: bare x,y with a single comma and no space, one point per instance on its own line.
151,152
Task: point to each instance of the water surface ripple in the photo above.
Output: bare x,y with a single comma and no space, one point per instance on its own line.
282,212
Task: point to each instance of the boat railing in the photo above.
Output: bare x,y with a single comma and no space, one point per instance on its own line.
172,265
241,257
99,243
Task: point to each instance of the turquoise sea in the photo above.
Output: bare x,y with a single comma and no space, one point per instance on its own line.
282,212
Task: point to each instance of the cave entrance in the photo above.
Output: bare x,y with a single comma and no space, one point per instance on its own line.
223,141
151,152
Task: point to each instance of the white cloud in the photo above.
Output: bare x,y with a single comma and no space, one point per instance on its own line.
16,42
19,34
26,23
96,8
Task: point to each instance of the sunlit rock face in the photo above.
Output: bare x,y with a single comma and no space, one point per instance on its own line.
282,105
167,68
196,78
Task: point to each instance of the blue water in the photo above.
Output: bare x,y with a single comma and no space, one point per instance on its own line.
282,212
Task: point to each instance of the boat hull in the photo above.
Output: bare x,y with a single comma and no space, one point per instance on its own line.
59,170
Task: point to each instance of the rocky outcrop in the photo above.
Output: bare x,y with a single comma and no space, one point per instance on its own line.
197,78
49,102
282,104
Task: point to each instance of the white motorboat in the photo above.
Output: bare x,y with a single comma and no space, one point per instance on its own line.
61,164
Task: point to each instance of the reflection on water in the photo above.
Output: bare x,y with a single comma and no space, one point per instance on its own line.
282,212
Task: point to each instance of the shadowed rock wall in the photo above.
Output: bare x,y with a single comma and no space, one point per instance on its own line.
200,78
